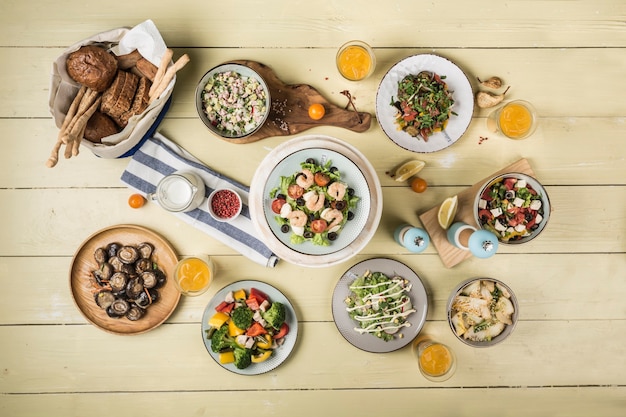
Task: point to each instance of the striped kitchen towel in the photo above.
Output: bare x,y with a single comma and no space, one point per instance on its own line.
159,157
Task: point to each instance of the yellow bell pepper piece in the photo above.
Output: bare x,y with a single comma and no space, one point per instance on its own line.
227,357
262,357
265,344
240,294
234,330
218,320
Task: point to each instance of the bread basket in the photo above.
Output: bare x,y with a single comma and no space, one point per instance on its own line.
144,38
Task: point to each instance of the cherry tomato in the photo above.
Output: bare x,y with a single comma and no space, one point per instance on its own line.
321,179
284,329
277,204
136,200
316,111
295,191
419,185
318,226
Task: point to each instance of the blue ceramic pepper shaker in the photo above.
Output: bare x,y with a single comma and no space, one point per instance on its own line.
483,244
414,239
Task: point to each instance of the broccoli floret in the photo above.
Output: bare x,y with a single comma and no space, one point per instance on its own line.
242,317
243,357
275,315
221,340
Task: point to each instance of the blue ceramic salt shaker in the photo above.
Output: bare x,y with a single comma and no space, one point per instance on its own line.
414,239
483,244
457,234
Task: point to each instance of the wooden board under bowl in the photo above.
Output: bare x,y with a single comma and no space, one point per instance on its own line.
83,284
451,255
289,114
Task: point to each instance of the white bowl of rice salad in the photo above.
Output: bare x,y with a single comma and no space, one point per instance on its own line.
233,101
514,206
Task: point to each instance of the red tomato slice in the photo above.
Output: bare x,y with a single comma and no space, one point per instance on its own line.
225,307
277,204
295,191
321,179
509,183
318,225
255,330
253,303
284,329
259,295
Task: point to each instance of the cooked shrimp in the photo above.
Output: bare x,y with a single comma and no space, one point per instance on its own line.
334,218
305,178
337,190
297,218
314,201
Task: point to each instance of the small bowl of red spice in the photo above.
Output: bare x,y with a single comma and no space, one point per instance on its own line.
224,204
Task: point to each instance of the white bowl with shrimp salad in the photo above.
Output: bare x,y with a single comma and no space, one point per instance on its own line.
311,223
513,206
233,101
482,312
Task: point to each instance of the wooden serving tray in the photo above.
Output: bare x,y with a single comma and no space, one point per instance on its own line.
290,105
451,255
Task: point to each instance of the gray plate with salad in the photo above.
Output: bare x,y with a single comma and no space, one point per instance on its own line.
379,305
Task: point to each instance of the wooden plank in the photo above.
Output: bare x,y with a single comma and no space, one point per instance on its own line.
512,402
512,24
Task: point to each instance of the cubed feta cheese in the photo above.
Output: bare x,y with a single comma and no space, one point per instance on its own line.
482,204
499,226
538,218
518,202
535,205
496,212
520,228
520,183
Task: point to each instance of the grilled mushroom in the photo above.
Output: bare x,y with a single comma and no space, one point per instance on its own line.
103,273
118,308
118,282
149,279
116,263
134,287
112,249
104,298
142,265
135,313
143,300
101,255
145,249
128,254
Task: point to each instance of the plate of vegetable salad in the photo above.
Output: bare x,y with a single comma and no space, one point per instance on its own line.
249,327
514,206
425,103
233,100
379,305
315,200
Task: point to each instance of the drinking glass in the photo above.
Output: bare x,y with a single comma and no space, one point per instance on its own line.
516,119
355,60
436,361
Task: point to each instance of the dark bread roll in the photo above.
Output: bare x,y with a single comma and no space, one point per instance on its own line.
99,126
92,66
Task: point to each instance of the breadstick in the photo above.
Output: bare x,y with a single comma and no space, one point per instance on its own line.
80,124
165,61
169,74
72,110
54,155
85,103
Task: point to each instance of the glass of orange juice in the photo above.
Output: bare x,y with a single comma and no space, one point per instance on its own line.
436,361
355,60
516,119
193,275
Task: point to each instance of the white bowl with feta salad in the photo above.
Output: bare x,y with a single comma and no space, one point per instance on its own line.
233,101
514,206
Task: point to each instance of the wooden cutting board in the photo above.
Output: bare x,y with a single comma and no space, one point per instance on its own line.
290,104
451,255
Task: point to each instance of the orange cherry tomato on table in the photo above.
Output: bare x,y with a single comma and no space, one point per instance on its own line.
316,111
419,185
136,200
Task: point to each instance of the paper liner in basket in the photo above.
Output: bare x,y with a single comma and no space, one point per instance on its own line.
144,37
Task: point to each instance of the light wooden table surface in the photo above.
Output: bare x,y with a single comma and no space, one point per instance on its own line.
566,356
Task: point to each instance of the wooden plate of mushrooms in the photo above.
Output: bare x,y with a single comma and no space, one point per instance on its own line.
121,279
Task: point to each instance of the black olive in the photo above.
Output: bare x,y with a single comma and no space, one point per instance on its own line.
332,236
340,205
333,169
326,203
311,217
300,201
285,228
350,191
350,215
307,234
310,161
281,196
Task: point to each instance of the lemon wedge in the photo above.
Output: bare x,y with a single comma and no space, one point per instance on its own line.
408,169
447,211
